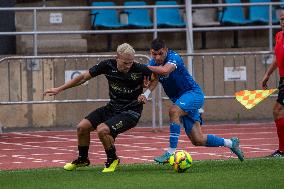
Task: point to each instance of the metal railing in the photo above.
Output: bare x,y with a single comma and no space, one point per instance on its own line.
155,30
18,81
254,62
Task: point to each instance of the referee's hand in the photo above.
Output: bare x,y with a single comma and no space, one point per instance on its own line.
264,82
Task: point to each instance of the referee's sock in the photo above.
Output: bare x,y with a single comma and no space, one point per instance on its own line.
280,132
174,135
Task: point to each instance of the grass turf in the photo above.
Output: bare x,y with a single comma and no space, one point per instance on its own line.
252,173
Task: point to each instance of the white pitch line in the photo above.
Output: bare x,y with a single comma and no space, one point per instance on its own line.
8,149
60,153
255,148
58,161
40,154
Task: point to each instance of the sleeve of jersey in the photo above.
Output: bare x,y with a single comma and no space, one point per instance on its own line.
145,70
98,69
151,63
173,62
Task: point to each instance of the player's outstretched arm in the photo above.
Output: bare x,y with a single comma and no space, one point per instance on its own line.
80,79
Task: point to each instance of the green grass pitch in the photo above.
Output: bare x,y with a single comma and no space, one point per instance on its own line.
252,173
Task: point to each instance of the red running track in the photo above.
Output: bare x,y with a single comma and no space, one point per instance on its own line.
23,150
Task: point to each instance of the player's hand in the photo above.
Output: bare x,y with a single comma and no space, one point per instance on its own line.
52,92
264,82
146,82
142,99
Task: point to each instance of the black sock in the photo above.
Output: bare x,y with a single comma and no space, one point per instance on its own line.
83,151
111,153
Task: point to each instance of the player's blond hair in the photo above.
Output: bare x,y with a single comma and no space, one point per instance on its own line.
125,48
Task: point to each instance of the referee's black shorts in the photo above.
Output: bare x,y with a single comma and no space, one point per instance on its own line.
280,98
118,122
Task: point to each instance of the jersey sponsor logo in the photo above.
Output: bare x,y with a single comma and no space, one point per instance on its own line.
124,90
182,103
135,76
117,126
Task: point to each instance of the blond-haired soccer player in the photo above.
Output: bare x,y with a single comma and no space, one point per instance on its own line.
125,79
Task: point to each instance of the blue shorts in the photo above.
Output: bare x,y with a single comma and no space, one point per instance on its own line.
190,102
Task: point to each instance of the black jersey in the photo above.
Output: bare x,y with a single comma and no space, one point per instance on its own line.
124,88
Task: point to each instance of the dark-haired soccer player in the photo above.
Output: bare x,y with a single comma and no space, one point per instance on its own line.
187,98
278,62
125,79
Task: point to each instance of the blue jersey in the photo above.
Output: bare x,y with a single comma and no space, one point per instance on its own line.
178,81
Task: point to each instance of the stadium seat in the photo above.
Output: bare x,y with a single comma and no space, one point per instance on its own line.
260,14
233,15
107,18
282,6
138,17
205,17
169,17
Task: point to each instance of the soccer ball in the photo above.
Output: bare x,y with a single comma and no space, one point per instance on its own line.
181,161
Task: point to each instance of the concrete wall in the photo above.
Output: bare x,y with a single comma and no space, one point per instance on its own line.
64,43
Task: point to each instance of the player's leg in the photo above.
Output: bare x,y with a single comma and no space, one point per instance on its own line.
195,134
108,131
189,100
107,140
278,115
83,134
175,113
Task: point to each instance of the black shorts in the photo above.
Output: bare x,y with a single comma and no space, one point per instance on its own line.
280,97
118,122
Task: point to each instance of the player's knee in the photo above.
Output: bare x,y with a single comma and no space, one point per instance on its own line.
173,112
81,130
198,142
102,130
276,112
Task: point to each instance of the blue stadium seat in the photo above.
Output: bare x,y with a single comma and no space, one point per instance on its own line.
260,14
233,15
282,6
138,17
107,18
169,17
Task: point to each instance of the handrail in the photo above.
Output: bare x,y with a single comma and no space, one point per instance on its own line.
153,30
66,56
136,55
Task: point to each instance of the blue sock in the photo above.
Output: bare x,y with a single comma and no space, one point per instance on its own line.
174,134
214,141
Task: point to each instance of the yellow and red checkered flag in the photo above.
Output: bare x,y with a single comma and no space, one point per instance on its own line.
251,98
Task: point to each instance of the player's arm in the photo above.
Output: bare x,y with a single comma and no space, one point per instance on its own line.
163,70
78,80
150,87
270,70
